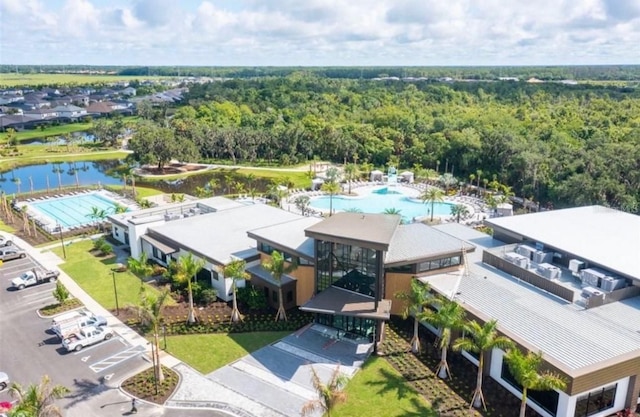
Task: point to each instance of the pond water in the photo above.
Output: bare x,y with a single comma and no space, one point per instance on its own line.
80,137
60,173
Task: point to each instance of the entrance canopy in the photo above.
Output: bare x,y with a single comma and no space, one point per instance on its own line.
166,249
338,301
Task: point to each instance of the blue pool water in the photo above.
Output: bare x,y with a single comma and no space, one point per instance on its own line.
74,210
380,200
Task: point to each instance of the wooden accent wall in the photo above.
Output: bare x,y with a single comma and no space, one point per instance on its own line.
605,373
305,280
396,282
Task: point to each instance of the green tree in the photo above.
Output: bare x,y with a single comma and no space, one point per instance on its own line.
12,137
302,203
350,173
432,195
332,188
151,313
526,371
187,268
61,293
481,339
37,400
446,316
414,302
329,394
140,266
392,210
98,215
276,267
459,210
235,271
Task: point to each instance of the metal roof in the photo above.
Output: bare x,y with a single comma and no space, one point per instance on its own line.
415,241
369,230
263,274
607,237
572,336
288,235
223,234
336,300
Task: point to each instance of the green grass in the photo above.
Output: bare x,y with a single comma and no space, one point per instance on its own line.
94,276
58,130
299,179
12,80
141,192
378,390
6,228
32,155
208,352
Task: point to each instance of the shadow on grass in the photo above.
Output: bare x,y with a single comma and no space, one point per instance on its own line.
392,383
420,410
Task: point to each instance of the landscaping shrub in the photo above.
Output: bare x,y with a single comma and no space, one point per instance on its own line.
252,297
99,243
208,296
106,249
61,293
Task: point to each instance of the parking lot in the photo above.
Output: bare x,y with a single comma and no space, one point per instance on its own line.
28,349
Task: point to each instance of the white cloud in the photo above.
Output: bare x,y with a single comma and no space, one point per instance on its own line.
320,32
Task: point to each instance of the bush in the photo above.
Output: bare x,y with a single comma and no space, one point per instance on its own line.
61,293
208,296
106,249
158,270
252,297
99,243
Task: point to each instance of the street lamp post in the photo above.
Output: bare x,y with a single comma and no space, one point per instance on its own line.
115,292
64,251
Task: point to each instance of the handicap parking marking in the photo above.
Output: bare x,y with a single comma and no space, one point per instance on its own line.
97,345
116,359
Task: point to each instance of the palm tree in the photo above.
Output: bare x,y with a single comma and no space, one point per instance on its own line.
58,170
140,266
234,270
186,269
447,181
478,178
350,172
302,203
525,370
392,210
98,215
119,208
448,316
277,269
150,310
332,188
432,195
37,400
480,339
212,185
414,301
459,210
279,193
329,394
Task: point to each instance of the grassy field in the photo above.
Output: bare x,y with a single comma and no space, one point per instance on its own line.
94,276
299,179
40,154
12,80
208,352
6,228
58,130
141,192
378,390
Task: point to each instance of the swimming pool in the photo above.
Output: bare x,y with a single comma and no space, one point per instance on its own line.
73,210
382,199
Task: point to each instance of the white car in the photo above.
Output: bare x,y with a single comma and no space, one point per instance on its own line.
85,337
5,242
4,380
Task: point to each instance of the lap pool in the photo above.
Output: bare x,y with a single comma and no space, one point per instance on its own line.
71,211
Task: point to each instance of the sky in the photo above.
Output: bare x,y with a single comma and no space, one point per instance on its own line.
319,32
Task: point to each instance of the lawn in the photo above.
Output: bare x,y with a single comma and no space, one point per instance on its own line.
208,352
378,390
141,192
300,179
6,228
59,130
31,155
94,275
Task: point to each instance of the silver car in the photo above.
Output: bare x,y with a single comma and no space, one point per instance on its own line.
8,254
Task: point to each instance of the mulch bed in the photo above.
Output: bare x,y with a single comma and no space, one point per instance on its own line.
143,385
179,313
450,397
57,308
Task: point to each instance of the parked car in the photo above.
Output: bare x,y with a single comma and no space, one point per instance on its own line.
68,327
34,277
5,242
4,380
11,253
85,337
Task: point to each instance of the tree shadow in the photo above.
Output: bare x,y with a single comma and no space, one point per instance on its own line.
419,409
392,383
85,390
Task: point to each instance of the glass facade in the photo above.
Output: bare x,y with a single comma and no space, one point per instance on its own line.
346,266
353,327
596,401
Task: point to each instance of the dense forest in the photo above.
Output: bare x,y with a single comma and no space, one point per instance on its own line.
547,73
565,145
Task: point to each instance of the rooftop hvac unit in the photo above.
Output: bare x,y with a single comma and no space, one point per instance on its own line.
590,292
591,277
548,271
525,250
195,210
575,266
540,257
171,216
612,283
516,259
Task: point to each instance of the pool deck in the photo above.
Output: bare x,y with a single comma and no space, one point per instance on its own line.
52,224
478,210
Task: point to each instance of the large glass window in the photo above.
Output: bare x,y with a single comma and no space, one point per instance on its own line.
159,255
351,326
596,401
547,400
350,267
438,264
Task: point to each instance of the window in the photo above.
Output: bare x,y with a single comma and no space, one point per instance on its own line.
274,296
263,247
159,255
289,296
407,269
438,264
596,401
215,275
547,400
302,261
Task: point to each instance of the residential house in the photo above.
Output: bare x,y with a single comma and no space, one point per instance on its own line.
70,111
42,113
129,91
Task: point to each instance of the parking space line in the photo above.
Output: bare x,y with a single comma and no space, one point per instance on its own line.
82,351
116,359
34,294
39,300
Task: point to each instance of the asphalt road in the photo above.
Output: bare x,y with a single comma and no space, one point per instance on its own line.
28,350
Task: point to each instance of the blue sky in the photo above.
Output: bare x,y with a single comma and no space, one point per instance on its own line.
319,32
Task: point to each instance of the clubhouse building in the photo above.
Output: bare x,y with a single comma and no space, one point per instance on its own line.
564,282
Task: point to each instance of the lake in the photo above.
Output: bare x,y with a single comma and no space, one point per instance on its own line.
64,173
80,137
